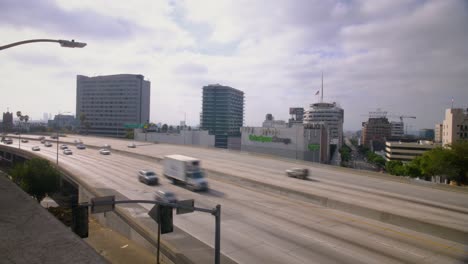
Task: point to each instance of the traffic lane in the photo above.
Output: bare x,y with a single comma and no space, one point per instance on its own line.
204,221
459,219
236,159
262,246
289,226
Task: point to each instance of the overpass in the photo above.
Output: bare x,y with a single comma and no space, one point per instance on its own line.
339,215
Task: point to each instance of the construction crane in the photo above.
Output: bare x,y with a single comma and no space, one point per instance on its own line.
403,116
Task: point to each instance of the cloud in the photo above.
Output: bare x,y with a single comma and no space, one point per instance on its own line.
408,57
47,15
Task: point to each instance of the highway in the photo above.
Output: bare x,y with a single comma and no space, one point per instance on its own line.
263,227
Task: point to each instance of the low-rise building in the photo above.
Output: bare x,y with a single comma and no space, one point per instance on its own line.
438,132
304,142
455,125
63,121
406,151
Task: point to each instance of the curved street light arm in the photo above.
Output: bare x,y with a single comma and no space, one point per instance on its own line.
63,43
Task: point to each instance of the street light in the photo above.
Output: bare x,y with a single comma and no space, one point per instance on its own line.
63,43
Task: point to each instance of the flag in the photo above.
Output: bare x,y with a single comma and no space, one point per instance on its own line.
317,92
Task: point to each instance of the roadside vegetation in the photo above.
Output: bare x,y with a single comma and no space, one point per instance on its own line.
450,163
37,177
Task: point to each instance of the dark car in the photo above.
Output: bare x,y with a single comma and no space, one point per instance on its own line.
148,177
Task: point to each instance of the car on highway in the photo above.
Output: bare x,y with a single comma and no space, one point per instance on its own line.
63,146
80,146
78,141
67,151
131,145
300,173
36,148
24,141
8,141
148,177
53,136
43,141
47,144
106,146
165,196
104,152
41,138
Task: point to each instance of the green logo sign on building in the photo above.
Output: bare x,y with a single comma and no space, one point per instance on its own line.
313,147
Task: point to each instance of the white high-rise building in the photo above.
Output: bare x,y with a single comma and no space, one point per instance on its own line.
329,113
112,103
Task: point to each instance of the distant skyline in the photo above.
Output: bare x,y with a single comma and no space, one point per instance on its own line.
406,57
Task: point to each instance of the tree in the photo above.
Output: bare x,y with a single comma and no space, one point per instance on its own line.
460,151
130,134
36,177
164,128
345,152
394,167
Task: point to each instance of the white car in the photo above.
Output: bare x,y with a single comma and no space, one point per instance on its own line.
106,146
63,146
104,152
48,144
24,141
36,148
165,196
300,173
67,152
131,145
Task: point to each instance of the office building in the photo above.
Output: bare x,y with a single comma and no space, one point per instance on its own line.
329,113
332,115
7,122
455,125
111,103
303,142
375,132
397,129
426,134
406,151
222,113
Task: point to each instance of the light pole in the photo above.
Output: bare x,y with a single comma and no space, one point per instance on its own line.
63,43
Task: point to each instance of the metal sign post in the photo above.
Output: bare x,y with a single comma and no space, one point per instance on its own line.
162,213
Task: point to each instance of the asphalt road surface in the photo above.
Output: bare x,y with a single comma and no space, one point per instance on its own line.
261,227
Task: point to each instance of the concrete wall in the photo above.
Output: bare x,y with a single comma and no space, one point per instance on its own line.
295,142
185,137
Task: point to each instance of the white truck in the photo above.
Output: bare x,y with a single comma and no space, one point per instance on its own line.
186,170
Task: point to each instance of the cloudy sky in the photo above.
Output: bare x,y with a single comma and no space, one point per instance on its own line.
405,57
